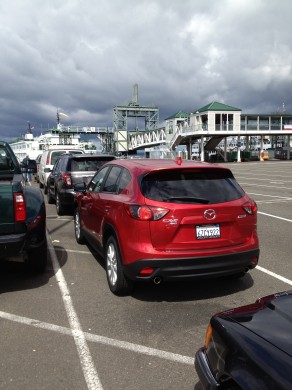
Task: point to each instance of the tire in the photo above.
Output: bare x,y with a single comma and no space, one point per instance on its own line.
117,281
77,227
59,207
45,189
36,259
50,199
41,184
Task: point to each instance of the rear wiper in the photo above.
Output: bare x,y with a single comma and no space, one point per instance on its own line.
186,199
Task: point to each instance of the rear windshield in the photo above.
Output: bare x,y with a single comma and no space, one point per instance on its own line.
86,164
59,153
201,186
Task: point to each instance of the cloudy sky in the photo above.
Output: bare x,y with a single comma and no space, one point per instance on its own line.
82,57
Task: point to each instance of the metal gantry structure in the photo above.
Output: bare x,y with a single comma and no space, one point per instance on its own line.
121,114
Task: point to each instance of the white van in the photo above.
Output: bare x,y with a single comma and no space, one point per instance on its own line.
47,162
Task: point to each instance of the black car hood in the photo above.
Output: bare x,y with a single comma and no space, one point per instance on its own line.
269,318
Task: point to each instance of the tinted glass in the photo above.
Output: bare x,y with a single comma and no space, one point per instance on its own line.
202,186
97,181
55,155
112,179
86,164
5,160
124,180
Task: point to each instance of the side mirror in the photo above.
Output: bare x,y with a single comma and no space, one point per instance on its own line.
47,170
80,187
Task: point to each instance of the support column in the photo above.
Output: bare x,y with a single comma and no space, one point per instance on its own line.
238,149
190,150
202,149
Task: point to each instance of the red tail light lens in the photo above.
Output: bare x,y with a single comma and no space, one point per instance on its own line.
146,271
146,213
66,177
250,207
19,207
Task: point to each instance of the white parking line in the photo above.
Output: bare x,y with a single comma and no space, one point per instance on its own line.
174,357
275,216
266,271
87,365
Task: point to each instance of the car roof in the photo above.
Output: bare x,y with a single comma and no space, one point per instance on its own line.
144,165
86,155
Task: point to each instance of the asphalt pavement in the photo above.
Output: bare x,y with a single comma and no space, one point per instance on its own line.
65,329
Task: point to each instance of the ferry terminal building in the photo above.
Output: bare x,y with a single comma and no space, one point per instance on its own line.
216,122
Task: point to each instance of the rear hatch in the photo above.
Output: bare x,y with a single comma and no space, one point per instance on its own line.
205,209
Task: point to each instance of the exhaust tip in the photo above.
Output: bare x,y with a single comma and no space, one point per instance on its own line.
157,280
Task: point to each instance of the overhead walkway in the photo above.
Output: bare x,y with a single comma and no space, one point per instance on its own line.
211,124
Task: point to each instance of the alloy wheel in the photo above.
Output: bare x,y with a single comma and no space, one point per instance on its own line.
111,264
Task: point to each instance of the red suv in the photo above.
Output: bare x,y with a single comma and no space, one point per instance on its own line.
167,220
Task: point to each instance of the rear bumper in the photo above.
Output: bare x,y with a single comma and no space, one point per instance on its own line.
204,373
12,245
194,268
15,244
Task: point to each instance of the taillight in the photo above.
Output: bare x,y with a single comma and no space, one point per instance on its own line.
66,177
19,207
250,207
146,213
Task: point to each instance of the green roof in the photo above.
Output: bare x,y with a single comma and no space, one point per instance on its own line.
179,114
215,106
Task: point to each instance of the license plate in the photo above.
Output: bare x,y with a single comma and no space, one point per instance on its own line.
204,232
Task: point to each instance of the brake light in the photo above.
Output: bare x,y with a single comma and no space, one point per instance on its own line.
19,207
146,213
66,177
250,207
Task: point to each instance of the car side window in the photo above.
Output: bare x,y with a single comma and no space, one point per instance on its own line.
97,181
124,180
57,166
111,184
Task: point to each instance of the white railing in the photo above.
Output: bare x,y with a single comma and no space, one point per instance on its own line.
147,138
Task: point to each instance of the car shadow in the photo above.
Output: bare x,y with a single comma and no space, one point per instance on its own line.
191,290
187,290
198,386
14,275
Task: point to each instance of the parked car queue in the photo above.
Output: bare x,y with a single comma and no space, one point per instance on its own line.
184,220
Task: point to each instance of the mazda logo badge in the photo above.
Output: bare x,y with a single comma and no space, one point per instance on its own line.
209,214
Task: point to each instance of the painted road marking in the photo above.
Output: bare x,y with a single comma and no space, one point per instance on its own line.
264,185
279,277
275,216
89,371
101,339
271,196
141,349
